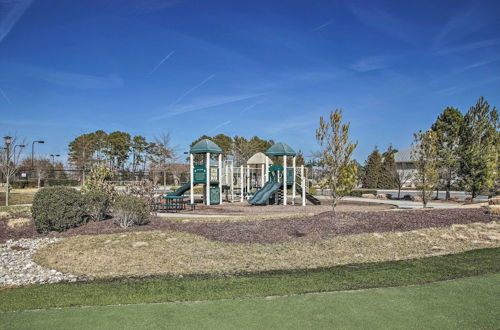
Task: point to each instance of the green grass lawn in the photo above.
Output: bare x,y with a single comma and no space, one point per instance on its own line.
470,303
190,288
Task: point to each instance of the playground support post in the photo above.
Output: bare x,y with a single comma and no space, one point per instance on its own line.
266,173
207,198
219,171
242,182
294,179
262,177
285,172
191,169
232,182
303,184
248,178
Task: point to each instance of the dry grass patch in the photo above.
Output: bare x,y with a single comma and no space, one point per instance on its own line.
174,253
18,222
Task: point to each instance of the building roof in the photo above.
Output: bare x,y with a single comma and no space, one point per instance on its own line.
258,159
205,146
404,156
280,149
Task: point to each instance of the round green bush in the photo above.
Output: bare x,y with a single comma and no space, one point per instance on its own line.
96,204
130,210
58,208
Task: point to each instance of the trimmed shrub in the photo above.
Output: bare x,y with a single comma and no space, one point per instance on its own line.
358,193
96,205
58,208
130,210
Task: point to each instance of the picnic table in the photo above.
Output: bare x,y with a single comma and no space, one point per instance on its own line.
171,203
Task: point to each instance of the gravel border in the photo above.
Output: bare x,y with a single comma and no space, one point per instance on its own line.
18,268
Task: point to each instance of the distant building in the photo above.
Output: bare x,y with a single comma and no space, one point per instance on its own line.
405,166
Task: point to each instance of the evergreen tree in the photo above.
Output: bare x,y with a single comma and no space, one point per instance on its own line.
373,168
388,175
478,149
447,128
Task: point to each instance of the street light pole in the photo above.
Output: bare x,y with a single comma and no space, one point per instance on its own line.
53,156
33,152
7,172
14,151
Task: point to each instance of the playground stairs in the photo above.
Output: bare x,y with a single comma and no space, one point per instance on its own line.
309,197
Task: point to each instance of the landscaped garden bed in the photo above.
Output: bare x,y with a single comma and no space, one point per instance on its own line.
159,253
321,226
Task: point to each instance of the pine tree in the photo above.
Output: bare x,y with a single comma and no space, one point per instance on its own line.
447,128
373,168
479,148
387,179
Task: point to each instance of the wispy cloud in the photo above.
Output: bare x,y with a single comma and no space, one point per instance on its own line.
465,21
227,122
290,124
322,26
380,19
10,12
251,106
161,62
370,64
469,46
70,79
5,96
204,103
476,65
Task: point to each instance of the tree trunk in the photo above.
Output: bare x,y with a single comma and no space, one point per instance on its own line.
164,178
399,192
448,188
7,191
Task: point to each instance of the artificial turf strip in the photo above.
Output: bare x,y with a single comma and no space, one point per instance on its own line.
469,303
189,288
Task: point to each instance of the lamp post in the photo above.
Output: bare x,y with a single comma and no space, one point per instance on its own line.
8,141
33,152
53,156
14,151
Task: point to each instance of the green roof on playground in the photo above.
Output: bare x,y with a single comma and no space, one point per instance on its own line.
280,149
205,146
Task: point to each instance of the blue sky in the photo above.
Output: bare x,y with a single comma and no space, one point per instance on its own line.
266,68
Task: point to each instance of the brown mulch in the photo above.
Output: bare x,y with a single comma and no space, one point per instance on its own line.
324,225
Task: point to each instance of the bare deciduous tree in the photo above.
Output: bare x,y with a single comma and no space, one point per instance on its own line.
10,157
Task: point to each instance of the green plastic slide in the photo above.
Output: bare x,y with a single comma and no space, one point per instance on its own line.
262,196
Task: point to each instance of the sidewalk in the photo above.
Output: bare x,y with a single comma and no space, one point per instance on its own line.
403,204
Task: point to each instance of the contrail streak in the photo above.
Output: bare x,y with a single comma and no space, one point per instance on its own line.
191,90
322,26
161,62
5,96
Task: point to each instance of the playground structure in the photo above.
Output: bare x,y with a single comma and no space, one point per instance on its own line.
260,182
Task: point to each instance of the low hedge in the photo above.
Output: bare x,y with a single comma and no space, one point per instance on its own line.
358,193
33,183
21,184
61,182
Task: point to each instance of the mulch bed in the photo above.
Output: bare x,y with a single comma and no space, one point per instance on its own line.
324,225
